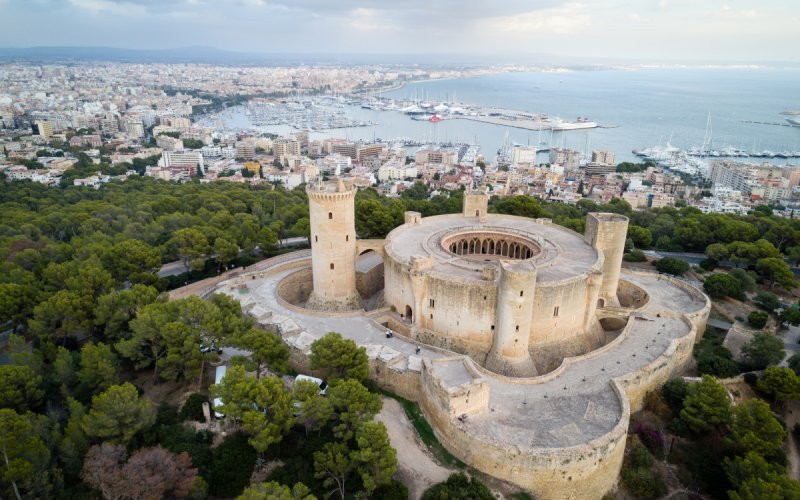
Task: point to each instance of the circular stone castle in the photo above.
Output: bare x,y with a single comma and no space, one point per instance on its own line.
523,342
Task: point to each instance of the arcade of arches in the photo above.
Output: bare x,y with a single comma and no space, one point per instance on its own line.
491,244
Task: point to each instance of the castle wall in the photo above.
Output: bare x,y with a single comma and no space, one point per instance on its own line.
586,471
371,282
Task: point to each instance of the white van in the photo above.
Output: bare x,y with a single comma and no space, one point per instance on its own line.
323,386
218,376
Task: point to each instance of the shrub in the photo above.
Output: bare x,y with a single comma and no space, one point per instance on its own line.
193,408
643,482
767,301
745,278
458,486
763,350
713,358
166,414
394,490
794,363
674,392
720,285
651,438
638,456
750,378
757,319
634,256
708,264
232,465
671,265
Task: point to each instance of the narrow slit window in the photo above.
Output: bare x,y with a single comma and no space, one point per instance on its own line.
431,303
555,311
521,293
331,265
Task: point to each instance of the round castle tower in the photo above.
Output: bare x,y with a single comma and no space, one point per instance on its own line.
516,289
333,247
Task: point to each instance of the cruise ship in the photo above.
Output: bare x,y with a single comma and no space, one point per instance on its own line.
578,124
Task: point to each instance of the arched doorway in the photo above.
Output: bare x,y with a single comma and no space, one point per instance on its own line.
409,314
601,303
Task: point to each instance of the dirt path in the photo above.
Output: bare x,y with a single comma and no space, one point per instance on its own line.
791,415
415,467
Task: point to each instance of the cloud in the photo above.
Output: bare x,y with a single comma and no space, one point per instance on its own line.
564,20
110,6
733,29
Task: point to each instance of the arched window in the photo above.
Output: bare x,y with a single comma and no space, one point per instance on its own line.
331,265
330,215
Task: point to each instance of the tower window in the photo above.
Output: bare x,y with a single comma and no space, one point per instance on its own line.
521,292
330,215
332,268
431,303
477,213
555,311
316,238
347,237
517,327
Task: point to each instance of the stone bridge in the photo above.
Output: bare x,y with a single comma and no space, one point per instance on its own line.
375,245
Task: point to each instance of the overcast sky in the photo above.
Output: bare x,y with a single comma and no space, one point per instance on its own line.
680,30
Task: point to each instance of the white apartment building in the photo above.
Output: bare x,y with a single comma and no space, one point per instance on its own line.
523,154
396,170
334,164
183,159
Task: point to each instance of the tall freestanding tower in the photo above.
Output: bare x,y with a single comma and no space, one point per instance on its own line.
607,232
333,247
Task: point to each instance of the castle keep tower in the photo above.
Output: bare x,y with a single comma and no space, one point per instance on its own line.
515,293
476,204
333,247
607,232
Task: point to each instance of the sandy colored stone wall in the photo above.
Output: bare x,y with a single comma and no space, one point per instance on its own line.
587,471
630,295
296,288
370,282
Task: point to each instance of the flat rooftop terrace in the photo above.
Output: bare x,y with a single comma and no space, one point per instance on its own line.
564,253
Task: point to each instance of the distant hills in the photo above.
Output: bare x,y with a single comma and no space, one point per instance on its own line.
196,54
212,55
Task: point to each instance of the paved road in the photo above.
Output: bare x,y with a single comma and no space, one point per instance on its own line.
175,268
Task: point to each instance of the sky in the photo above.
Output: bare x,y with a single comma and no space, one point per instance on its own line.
728,31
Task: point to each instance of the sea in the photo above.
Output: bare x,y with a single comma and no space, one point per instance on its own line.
636,109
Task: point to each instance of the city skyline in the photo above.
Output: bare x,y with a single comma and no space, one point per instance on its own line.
525,31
